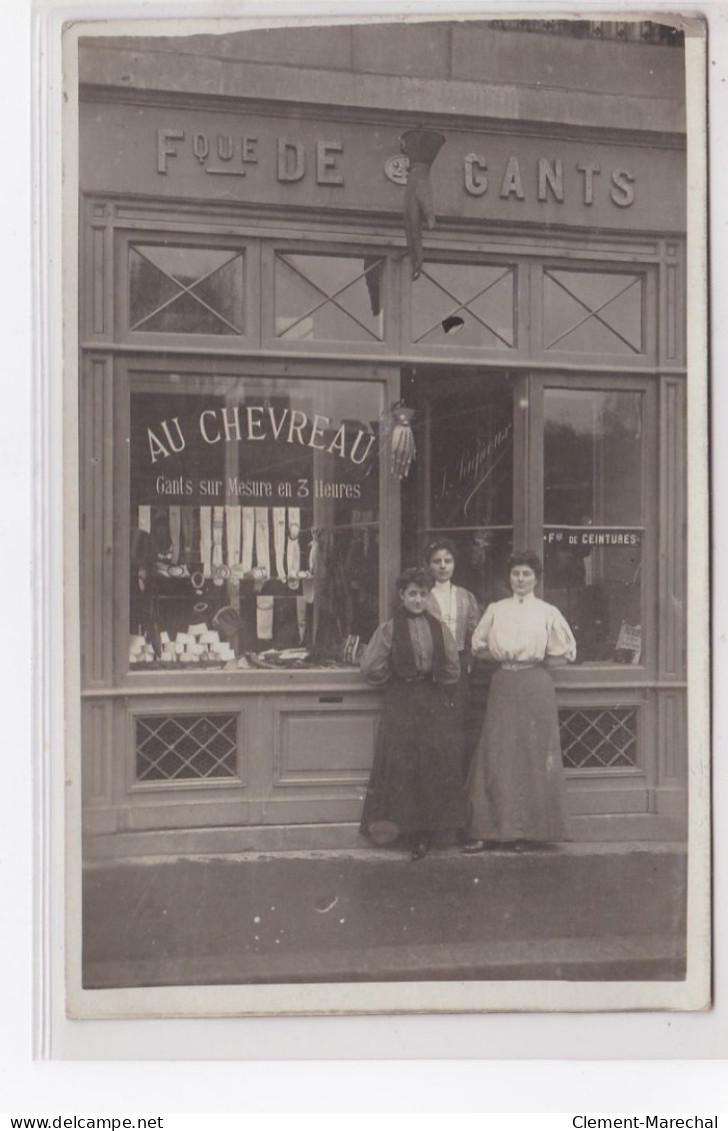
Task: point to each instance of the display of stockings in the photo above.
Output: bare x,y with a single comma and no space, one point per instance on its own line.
293,548
279,540
206,541
264,617
175,529
218,526
262,540
187,523
248,538
234,528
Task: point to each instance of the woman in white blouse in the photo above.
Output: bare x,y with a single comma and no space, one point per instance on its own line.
516,782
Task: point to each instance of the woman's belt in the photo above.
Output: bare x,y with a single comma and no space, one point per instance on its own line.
518,665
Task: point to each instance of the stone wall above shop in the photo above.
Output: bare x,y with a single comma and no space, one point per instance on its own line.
463,68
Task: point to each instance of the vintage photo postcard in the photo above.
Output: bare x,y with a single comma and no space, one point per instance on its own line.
386,539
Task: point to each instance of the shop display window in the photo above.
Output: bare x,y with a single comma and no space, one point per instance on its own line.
186,290
329,297
594,519
254,522
461,304
593,311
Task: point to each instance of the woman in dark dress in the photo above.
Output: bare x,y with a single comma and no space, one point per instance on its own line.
416,786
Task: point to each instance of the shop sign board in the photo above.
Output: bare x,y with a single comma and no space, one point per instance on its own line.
590,538
479,175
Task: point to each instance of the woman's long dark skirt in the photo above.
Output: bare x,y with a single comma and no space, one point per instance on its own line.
516,785
416,783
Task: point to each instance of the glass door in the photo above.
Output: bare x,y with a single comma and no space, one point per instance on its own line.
462,484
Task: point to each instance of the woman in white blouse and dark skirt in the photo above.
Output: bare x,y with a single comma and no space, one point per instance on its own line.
516,785
416,785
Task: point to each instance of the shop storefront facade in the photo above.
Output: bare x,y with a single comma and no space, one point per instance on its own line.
250,327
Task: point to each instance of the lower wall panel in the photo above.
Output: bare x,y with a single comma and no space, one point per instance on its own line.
318,748
301,770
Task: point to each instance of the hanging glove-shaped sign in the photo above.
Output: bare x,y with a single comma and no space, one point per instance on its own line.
403,440
420,146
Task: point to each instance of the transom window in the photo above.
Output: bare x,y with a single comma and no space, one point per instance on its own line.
329,297
465,305
185,290
593,312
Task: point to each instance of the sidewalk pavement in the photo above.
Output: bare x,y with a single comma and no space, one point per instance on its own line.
584,912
